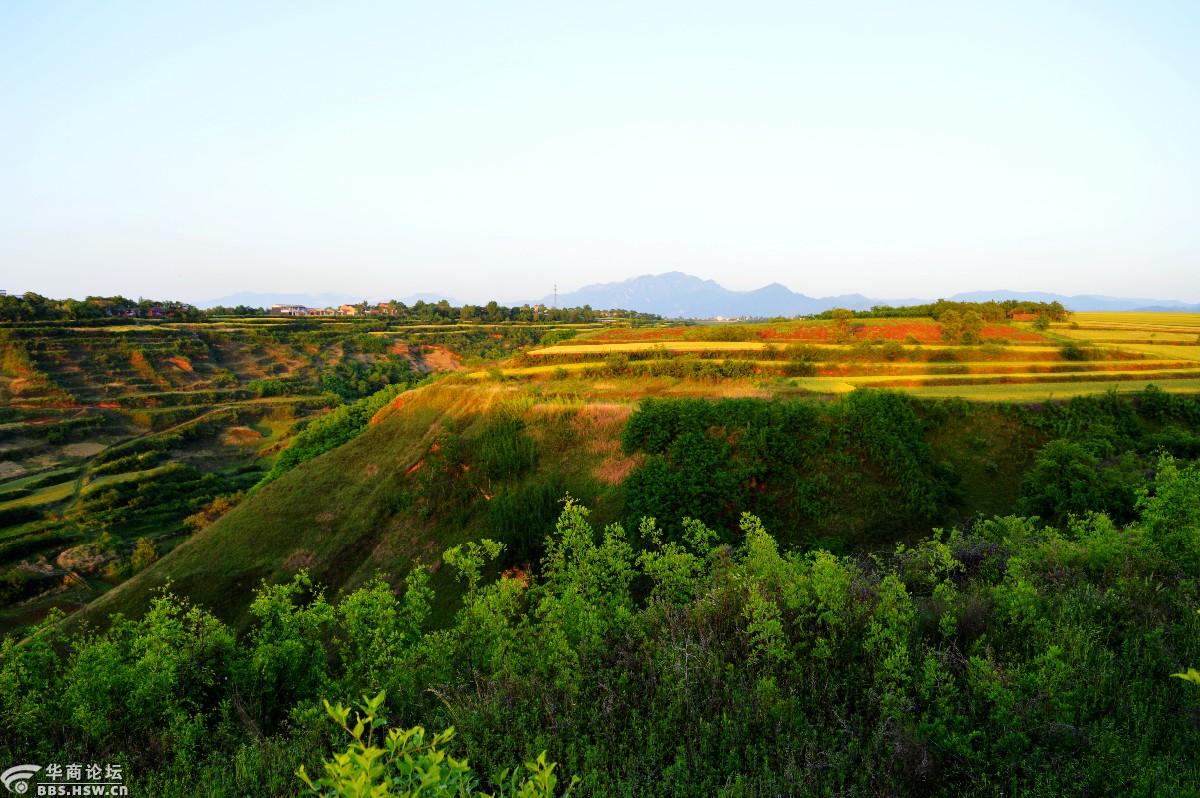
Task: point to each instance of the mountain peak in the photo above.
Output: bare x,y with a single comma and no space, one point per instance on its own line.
676,294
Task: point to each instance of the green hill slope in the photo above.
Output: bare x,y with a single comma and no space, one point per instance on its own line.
442,464
461,460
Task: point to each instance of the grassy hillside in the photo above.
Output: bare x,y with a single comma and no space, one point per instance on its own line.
461,460
441,464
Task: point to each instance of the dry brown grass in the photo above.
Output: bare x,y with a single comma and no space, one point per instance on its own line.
300,558
240,436
614,470
599,426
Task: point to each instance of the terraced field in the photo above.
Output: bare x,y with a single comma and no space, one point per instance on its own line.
1090,353
117,432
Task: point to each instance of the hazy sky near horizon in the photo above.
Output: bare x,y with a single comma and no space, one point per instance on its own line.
193,150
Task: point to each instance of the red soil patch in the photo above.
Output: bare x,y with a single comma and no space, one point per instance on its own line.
182,362
415,467
439,358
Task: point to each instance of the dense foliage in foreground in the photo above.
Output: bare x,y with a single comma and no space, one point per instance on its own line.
1007,658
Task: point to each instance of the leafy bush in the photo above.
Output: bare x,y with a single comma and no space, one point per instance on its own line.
405,765
1068,479
331,430
352,379
711,459
557,337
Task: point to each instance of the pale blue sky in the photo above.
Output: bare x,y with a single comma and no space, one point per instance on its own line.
489,149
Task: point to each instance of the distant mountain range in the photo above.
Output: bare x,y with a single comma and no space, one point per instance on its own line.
684,296
679,295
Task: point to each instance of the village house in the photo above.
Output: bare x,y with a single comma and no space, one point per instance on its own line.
289,310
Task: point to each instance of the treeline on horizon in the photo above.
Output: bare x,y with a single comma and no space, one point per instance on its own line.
32,307
991,311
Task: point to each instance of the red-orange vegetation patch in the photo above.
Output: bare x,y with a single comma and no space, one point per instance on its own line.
372,470
924,332
236,436
415,467
517,574
142,367
626,334
181,362
387,410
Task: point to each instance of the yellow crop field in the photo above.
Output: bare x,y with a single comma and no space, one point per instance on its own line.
733,346
1033,392
1108,335
1165,350
650,346
1094,353
1115,319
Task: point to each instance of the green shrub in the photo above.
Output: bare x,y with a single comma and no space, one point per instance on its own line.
402,763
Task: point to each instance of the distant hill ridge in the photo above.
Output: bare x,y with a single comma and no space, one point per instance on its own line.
680,295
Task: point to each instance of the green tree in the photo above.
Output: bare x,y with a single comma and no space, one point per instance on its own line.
143,556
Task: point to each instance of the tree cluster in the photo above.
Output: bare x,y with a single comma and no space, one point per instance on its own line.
35,307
